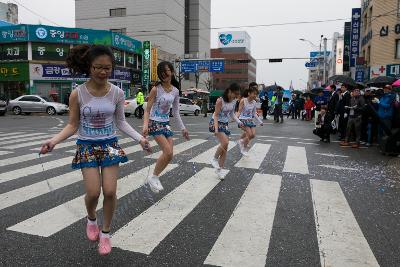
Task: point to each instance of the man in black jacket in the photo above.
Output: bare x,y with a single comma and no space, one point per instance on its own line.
343,112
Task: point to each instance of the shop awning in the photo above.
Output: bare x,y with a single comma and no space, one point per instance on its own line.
216,93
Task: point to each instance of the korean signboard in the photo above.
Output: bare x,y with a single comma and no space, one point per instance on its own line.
14,72
393,70
234,39
44,33
360,73
11,51
191,66
339,56
42,51
119,57
14,34
126,43
146,63
355,35
122,74
154,62
376,71
130,60
347,46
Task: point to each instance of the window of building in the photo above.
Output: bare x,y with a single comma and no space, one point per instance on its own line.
118,12
398,49
365,26
122,30
398,8
370,17
368,54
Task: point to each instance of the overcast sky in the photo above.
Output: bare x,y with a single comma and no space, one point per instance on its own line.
267,42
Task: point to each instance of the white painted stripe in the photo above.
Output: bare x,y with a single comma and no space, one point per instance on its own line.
296,160
5,152
27,139
8,134
206,156
20,136
255,157
19,159
267,140
54,220
304,143
180,147
15,174
165,215
27,144
73,143
244,240
331,155
341,241
338,167
28,192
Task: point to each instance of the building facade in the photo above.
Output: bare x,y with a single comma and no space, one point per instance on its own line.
32,59
380,37
240,67
9,12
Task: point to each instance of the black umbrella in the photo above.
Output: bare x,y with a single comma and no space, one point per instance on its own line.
361,85
306,94
297,92
381,81
272,87
317,90
343,79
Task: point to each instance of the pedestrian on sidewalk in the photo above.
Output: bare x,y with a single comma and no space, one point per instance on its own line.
156,119
247,113
355,109
309,106
342,111
278,113
94,108
224,111
204,107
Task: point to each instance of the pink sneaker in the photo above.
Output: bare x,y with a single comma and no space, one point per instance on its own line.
92,232
104,245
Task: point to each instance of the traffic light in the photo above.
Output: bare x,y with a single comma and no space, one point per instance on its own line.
275,60
243,61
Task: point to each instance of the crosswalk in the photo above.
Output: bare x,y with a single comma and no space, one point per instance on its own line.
245,238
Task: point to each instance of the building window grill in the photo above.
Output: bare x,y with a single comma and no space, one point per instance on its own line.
118,12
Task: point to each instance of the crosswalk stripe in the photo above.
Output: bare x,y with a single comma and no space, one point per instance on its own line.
341,241
19,159
244,241
180,147
255,156
15,174
27,144
27,139
62,216
296,160
5,152
206,156
8,134
20,136
166,214
22,194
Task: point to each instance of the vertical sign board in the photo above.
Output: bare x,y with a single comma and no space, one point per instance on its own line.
347,44
154,62
355,35
339,56
146,64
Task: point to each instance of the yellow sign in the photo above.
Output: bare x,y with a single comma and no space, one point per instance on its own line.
154,63
9,71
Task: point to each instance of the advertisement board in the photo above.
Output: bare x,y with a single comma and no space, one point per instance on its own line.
234,39
10,51
154,63
347,44
126,43
355,35
339,56
43,51
11,34
14,72
146,63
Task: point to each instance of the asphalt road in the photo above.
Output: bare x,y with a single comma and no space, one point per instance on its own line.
292,202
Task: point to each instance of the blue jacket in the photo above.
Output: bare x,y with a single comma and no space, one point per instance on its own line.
386,106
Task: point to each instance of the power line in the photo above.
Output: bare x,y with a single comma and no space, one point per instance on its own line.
33,12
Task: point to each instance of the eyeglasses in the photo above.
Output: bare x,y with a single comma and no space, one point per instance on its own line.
101,68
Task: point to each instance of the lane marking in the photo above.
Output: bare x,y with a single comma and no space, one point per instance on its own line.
255,157
331,155
165,215
338,167
341,241
296,160
244,241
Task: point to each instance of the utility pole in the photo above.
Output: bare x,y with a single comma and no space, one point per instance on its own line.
325,48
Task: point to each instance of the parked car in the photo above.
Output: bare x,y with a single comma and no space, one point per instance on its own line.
131,107
3,105
34,103
186,106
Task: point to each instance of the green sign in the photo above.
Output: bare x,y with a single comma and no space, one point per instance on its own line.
119,57
14,72
14,51
146,63
130,61
14,34
42,51
49,34
126,43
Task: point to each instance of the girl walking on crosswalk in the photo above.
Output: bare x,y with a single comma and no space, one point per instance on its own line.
247,113
156,119
224,111
94,108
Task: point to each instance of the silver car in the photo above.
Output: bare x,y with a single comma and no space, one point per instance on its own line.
34,103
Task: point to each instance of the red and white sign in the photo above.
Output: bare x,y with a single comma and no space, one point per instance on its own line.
377,71
339,56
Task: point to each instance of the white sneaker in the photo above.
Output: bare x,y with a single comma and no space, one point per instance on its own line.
242,148
154,184
220,174
215,164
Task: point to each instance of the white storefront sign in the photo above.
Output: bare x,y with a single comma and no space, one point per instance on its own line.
234,39
339,56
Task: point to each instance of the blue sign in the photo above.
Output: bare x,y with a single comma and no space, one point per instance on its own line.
311,64
316,53
192,66
360,75
355,35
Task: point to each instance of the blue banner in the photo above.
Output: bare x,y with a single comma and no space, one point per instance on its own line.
13,34
126,43
192,66
355,35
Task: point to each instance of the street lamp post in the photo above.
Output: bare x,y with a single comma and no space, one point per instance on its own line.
320,79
